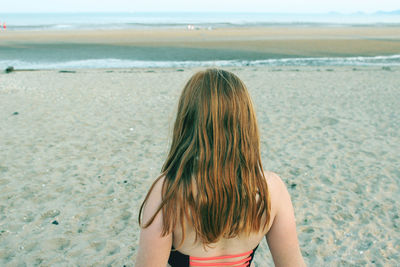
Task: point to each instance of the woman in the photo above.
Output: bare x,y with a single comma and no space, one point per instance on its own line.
213,203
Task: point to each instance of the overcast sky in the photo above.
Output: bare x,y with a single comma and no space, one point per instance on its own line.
277,6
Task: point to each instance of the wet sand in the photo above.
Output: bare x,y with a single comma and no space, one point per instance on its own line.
79,150
278,41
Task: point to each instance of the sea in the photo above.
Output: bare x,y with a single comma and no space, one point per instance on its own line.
56,56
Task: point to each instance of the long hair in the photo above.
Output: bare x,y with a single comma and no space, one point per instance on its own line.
213,176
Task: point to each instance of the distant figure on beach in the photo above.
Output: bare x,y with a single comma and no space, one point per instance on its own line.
213,203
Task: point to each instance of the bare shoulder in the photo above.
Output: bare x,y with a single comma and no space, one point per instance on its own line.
154,198
274,182
156,188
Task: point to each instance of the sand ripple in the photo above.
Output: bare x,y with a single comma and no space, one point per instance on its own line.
81,151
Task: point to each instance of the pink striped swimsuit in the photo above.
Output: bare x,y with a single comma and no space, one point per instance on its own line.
177,259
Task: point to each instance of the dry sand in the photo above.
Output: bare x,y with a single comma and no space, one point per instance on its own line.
80,150
289,41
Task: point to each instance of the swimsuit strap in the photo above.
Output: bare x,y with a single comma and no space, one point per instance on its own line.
178,259
220,257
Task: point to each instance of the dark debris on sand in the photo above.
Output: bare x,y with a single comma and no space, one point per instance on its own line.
67,71
9,69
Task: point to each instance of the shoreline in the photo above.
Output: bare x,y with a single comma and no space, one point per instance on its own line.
231,68
155,70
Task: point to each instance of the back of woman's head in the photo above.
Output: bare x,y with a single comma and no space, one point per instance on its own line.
213,173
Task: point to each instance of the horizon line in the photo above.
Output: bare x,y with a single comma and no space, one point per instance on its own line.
395,12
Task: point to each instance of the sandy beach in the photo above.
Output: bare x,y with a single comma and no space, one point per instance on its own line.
257,42
79,149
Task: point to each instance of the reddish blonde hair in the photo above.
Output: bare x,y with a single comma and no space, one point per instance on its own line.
213,173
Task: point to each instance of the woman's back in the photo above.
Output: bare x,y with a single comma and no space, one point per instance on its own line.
237,245
213,202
